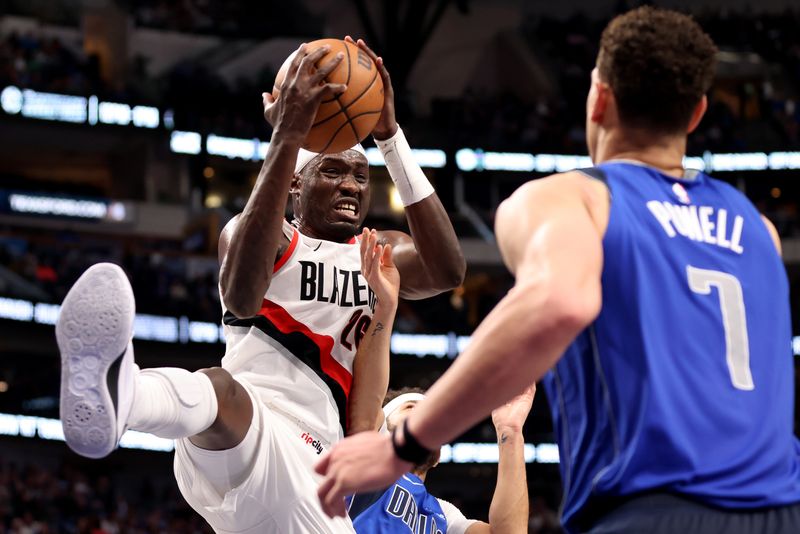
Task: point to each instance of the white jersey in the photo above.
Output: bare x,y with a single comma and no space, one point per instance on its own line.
298,350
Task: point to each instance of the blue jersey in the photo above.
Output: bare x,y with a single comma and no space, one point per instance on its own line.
685,381
405,507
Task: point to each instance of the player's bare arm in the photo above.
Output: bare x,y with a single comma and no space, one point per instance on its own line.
249,250
371,363
552,242
430,260
508,512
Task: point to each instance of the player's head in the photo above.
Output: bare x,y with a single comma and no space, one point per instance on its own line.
330,193
397,404
652,73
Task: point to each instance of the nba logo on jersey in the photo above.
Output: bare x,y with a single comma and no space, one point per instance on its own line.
681,193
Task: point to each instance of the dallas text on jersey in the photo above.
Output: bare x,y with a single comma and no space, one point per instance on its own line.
403,506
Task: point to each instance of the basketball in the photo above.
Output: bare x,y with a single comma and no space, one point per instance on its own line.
345,120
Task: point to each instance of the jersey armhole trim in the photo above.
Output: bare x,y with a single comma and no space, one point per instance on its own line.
286,255
596,173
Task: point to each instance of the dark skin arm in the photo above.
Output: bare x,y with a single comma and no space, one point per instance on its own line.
253,240
430,260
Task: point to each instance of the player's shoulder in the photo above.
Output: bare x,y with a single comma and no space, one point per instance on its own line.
448,508
729,193
565,183
574,188
723,186
230,227
457,522
575,178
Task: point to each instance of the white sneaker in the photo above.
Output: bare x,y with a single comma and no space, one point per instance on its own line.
94,334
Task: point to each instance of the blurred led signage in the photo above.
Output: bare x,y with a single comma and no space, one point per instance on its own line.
27,426
182,330
63,206
75,109
91,110
468,160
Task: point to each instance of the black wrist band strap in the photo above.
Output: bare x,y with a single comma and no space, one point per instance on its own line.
411,450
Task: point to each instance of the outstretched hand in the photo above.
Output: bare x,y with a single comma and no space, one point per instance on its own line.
301,91
512,415
361,462
379,269
387,123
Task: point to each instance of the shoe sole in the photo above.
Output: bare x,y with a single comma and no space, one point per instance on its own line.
93,332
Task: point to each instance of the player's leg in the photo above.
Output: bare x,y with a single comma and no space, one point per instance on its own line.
222,456
207,406
103,392
234,413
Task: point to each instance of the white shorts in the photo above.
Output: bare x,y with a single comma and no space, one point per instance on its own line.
278,495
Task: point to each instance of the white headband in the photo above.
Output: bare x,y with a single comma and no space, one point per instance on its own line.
395,403
305,156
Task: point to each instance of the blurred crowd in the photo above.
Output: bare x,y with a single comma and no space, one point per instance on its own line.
165,280
759,110
169,281
39,499
49,64
241,19
754,111
27,60
35,499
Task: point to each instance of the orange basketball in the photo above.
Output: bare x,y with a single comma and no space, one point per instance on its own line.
345,120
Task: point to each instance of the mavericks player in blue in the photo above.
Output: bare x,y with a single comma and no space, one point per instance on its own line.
653,302
406,506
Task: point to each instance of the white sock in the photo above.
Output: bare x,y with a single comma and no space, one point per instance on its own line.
172,403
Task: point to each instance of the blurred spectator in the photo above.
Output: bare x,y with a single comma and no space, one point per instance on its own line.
241,19
46,64
744,114
169,281
160,279
38,500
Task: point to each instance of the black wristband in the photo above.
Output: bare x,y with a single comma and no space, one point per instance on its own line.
411,450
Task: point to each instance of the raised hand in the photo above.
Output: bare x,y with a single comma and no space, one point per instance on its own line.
379,269
302,90
511,416
387,124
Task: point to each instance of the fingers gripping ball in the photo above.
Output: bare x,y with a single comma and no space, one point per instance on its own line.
346,119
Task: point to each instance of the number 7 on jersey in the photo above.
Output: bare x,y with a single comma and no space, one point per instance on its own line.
734,320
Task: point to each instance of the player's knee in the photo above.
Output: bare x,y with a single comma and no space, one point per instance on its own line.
234,412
